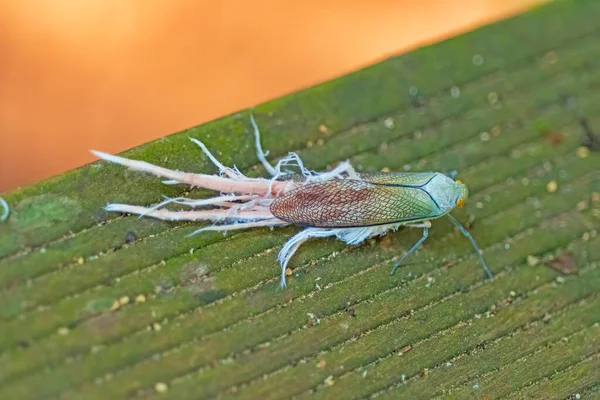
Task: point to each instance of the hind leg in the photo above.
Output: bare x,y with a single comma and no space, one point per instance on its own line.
425,225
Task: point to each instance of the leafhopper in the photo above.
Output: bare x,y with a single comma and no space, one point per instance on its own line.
343,203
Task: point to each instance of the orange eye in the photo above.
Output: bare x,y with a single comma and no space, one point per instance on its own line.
460,202
459,181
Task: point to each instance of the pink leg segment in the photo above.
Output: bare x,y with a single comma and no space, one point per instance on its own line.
200,215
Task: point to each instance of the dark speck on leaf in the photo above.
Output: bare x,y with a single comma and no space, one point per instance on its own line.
130,237
23,344
564,263
591,140
554,138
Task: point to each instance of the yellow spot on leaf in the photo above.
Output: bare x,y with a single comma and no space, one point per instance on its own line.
140,298
161,387
583,152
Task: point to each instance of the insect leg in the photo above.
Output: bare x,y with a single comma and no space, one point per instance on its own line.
6,211
425,234
223,169
290,247
477,250
241,225
262,155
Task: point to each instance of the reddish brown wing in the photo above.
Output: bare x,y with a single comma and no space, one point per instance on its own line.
353,203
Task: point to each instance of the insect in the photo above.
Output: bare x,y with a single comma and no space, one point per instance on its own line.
340,203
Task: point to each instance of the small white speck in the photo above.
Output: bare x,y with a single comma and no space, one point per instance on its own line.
506,246
413,90
478,60
161,387
560,279
192,250
364,374
449,364
577,396
478,316
476,386
407,167
389,123
455,92
485,137
403,377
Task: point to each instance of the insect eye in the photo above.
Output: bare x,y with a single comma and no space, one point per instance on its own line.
460,202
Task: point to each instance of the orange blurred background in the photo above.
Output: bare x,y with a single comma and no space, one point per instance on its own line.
113,74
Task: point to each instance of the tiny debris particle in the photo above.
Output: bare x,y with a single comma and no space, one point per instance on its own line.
583,152
564,263
552,186
485,136
130,237
506,246
477,60
161,387
493,98
496,130
364,374
321,364
577,396
124,300
455,92
329,381
551,57
405,349
313,320
479,205
140,298
413,90
476,386
532,260
115,305
288,271
389,123
554,138
323,129
512,293
156,327
80,260
63,331
582,205
385,169
586,236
